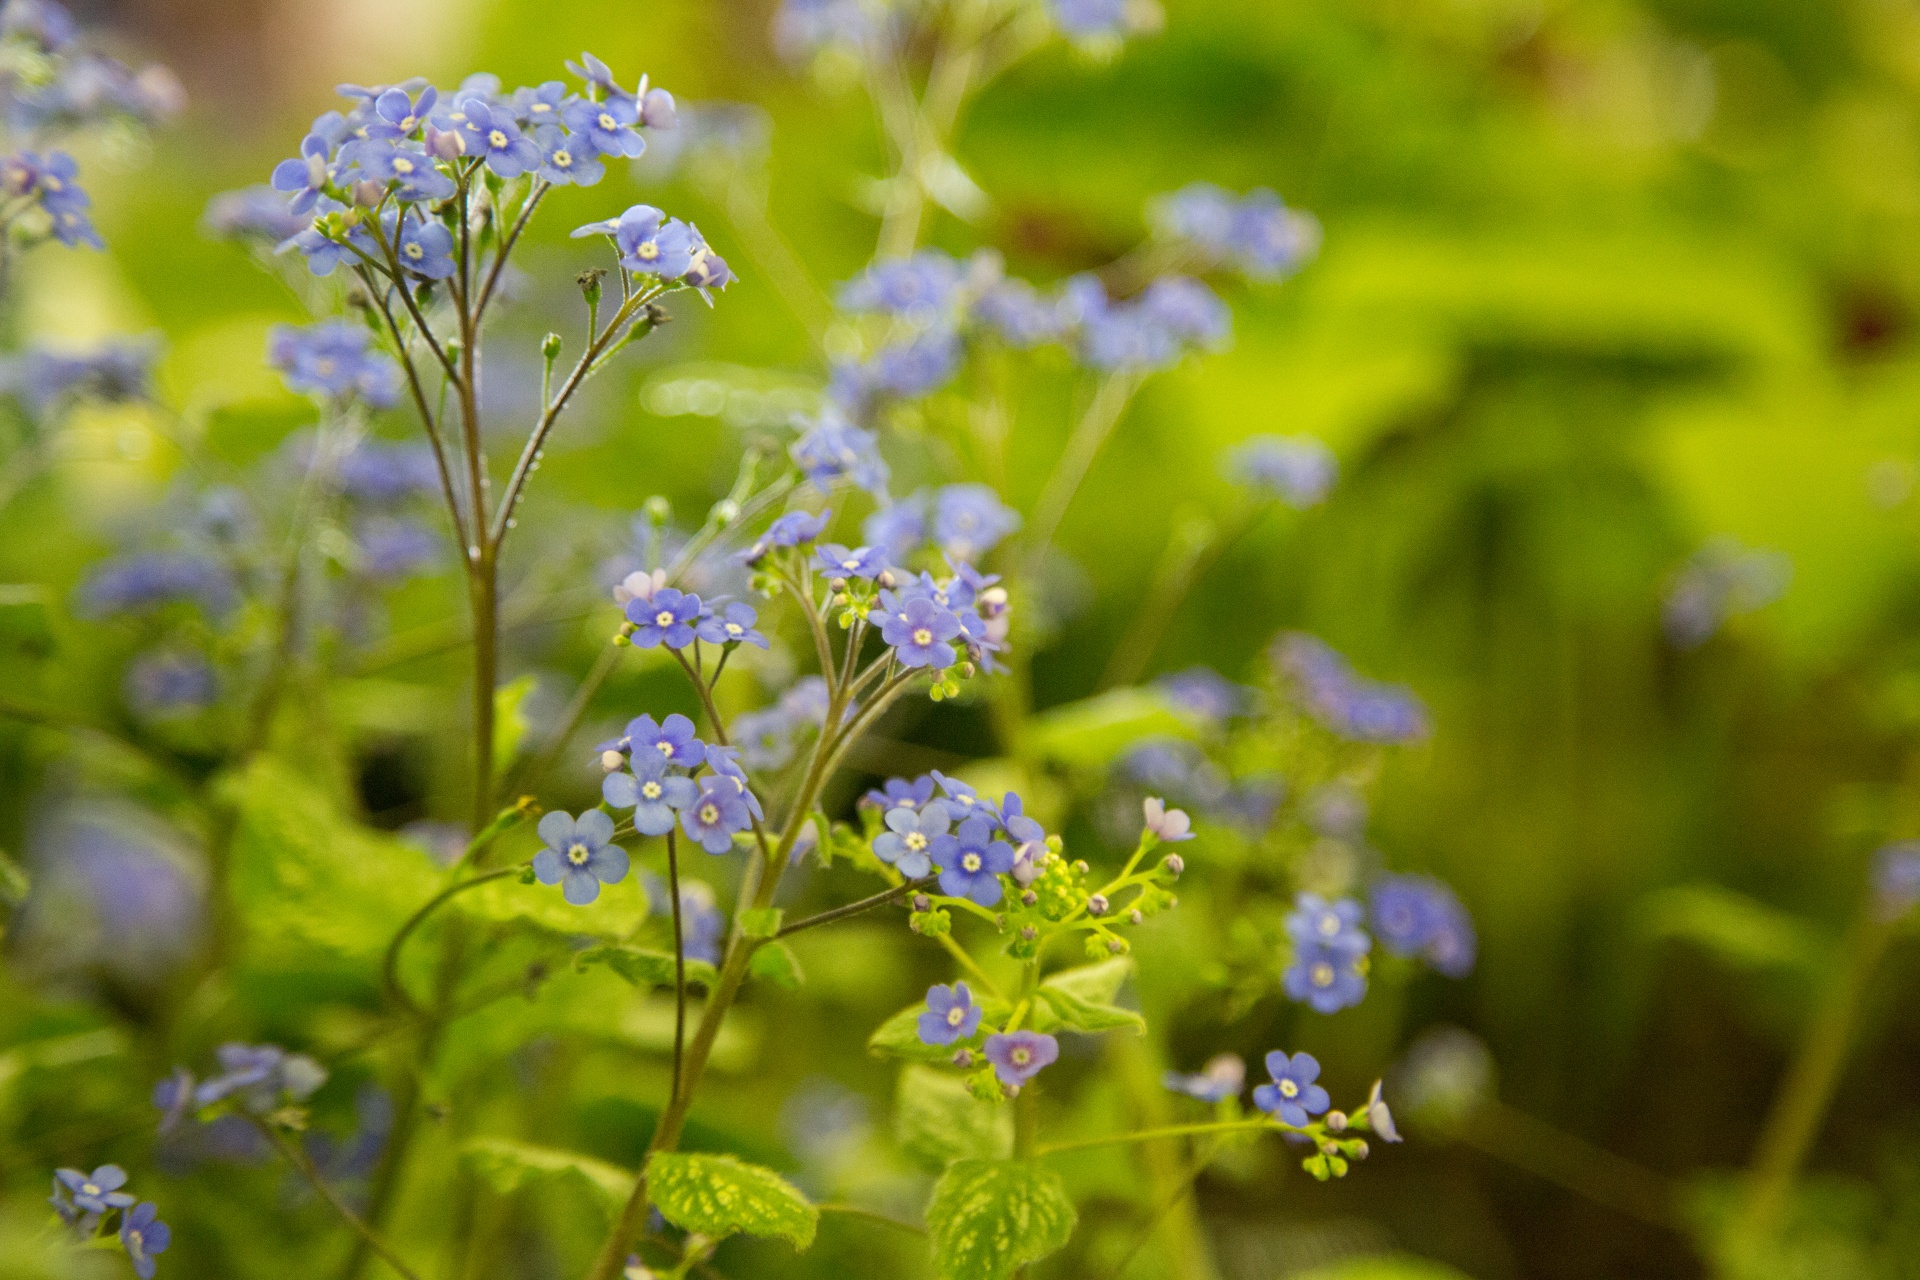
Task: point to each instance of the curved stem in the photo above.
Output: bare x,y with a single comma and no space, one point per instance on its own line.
538,192
390,964
855,908
1089,434
298,1159
855,1211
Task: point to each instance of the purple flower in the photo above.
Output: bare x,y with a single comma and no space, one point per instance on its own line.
580,855
151,579
664,618
1169,826
859,562
672,740
1015,311
1015,822
304,179
540,107
972,862
1187,309
1017,1056
1327,978
797,527
961,798
1267,240
969,520
724,761
650,791
567,158
1314,920
951,1015
1293,1095
718,812
1205,693
99,1191
1200,213
924,363
251,213
705,268
1417,915
377,471
733,624
921,633
1222,1078
1298,470
911,839
921,287
142,1235
395,115
1090,19
608,125
1342,702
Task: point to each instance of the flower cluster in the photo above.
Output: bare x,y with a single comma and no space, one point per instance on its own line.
967,840
1343,702
44,380
1420,916
162,683
257,1079
86,1201
663,783
964,521
1720,581
659,615
334,360
148,580
1015,1056
1256,234
1329,968
1297,470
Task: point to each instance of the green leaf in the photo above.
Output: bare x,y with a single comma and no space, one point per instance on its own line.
506,1166
13,881
937,1120
990,1217
645,968
1094,983
1082,999
776,962
719,1195
762,922
1394,1266
510,720
1088,734
899,1036
616,913
1735,928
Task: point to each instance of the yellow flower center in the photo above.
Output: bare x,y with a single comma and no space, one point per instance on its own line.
89,1189
562,158
647,250
651,790
539,107
402,165
956,1016
915,841
414,251
971,862
608,123
664,748
663,619
1321,974
497,138
709,814
1330,925
1288,1089
735,629
1021,1057
578,854
923,637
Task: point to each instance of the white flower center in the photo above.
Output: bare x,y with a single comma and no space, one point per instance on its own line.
578,854
1330,925
1321,974
651,790
1288,1089
664,618
664,748
1021,1057
971,862
402,165
414,251
539,107
915,841
646,250
497,138
89,1189
922,636
562,158
956,1016
608,123
735,629
709,814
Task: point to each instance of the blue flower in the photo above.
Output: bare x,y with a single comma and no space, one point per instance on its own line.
921,287
650,791
1013,820
921,633
961,798
1090,19
150,579
1205,693
1187,309
900,792
1341,701
898,529
1017,313
910,839
797,527
1326,977
412,172
724,761
923,363
802,28
972,862
567,158
304,179
969,520
672,740
1201,214
833,449
596,72
164,683
951,1015
395,115
1222,1078
540,107
718,812
381,472
73,228
664,618
142,1235
492,133
703,928
1314,920
858,562
333,358
425,248
580,855
733,624
1268,240
706,269
323,253
99,1191
392,548
1415,915
648,241
251,213
1720,581
1297,470
608,125
1293,1095
1017,1056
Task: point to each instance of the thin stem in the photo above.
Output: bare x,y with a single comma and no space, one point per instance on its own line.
679,963
427,420
972,966
1167,1131
298,1159
855,1211
855,908
1167,1205
534,196
1191,554
390,964
1095,425
1573,1163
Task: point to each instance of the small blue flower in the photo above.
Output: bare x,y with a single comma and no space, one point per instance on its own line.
910,839
832,449
608,125
1187,309
1018,1056
920,287
666,618
1016,312
425,248
921,633
395,115
492,133
797,527
671,739
733,624
961,798
1293,1095
703,927
333,358
1267,240
540,107
897,530
951,1015
99,1191
972,861
1206,694
1222,1078
922,364
857,562
414,176
1342,702
705,268
304,179
251,213
1316,921
1896,877
1298,470
1406,910
898,792
713,817
392,548
163,683
580,855
567,158
969,520
1090,19
725,763
142,1235
151,579
1014,821
650,791
1327,978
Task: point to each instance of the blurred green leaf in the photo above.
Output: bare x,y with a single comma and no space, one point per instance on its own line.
645,968
763,922
719,1195
1733,927
506,1166
1390,1267
616,913
990,1217
1082,999
1088,734
510,719
937,1120
776,962
13,881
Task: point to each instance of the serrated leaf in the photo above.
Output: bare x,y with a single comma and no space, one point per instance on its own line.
1088,734
506,1166
937,1120
1094,983
988,1218
644,968
776,962
1737,929
762,922
719,1195
899,1036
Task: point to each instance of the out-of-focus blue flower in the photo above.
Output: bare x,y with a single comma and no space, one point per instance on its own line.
797,527
164,683
392,548
1314,920
1090,19
260,1076
951,1015
851,562
654,794
335,359
1896,877
567,158
899,529
1018,1056
1722,580
1343,702
664,618
42,22
969,520
803,28
99,1191
384,472
909,842
580,855
150,579
1298,470
1017,313
921,287
972,861
833,449
539,106
1268,240
1205,693
608,125
1327,978
45,380
1223,1077
1293,1095
715,815
703,927
1200,213
251,213
1188,310
1419,916
920,632
143,1235
924,363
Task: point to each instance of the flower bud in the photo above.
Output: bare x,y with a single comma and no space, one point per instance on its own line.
887,580
836,585
657,510
1337,1121
1097,905
1028,933
656,109
611,760
1081,867
589,282
1029,898
724,513
448,144
963,1058
368,192
550,347
922,903
1175,863
1134,916
1360,1149
1115,946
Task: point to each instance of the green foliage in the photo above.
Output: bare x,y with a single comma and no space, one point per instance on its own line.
937,1119
899,1036
1090,733
776,962
718,1195
510,719
1735,929
763,922
644,968
988,1218
507,1166
1398,1266
1082,999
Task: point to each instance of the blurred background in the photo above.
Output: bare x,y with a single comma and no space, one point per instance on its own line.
1603,284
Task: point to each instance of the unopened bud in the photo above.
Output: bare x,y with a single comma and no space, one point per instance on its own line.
445,144
886,579
589,282
367,192
1115,946
1134,916
1361,1149
1081,866
1337,1121
1012,1090
611,760
922,903
550,347
724,513
1028,933
1029,898
657,510
1175,863
836,585
1097,905
963,1058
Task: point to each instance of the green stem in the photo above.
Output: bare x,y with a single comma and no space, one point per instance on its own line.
1083,446
855,1211
1167,1131
679,962
368,1236
390,965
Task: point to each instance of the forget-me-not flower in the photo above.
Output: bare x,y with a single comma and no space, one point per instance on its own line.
1018,1056
972,862
650,791
580,855
666,618
1293,1095
951,1015
715,814
910,840
142,1235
